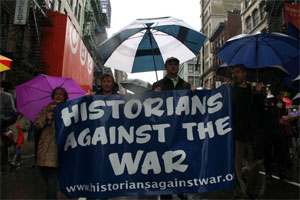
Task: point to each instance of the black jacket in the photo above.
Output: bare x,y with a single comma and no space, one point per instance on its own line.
247,112
167,84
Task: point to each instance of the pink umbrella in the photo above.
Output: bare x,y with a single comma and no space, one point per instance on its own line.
33,95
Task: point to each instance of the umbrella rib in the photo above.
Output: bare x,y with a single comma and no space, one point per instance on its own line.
35,100
38,89
273,49
61,85
237,51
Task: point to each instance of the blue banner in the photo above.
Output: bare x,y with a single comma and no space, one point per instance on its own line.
170,142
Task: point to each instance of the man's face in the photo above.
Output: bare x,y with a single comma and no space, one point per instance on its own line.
107,84
172,67
238,75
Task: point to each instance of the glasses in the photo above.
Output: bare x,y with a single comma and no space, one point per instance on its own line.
58,94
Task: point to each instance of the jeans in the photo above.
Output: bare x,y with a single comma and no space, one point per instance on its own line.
50,176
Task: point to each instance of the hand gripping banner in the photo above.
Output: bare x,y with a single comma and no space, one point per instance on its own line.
170,142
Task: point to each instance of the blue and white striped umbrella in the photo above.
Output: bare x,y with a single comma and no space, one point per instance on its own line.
145,44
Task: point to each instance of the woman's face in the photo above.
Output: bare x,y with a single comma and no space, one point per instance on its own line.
107,84
59,96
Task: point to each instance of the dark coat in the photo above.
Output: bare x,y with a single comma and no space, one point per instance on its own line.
7,110
167,84
247,111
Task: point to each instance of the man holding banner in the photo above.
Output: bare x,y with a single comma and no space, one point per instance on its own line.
171,82
158,143
247,107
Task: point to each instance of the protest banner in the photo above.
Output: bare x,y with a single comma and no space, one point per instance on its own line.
151,144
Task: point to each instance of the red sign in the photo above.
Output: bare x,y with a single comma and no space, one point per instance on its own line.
64,52
292,14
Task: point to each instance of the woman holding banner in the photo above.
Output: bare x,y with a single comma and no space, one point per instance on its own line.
47,151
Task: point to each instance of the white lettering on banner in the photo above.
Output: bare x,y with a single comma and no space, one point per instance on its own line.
143,133
151,107
117,135
151,162
204,128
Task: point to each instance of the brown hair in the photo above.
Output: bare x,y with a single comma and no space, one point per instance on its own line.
63,90
106,76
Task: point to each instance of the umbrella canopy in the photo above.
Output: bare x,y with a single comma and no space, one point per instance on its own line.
145,44
4,63
33,95
296,82
265,74
136,85
259,50
296,99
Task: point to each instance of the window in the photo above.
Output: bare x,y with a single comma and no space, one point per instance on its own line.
197,81
5,17
79,13
248,23
255,17
262,12
247,3
51,4
57,6
191,80
197,66
191,68
71,4
76,7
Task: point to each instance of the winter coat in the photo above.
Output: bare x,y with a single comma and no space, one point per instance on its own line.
247,111
7,110
47,151
167,84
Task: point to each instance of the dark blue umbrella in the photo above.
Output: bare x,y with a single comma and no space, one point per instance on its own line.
259,50
270,74
145,44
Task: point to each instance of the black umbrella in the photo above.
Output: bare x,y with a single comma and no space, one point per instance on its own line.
267,74
136,85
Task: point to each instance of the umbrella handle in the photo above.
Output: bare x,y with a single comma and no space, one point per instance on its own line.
257,79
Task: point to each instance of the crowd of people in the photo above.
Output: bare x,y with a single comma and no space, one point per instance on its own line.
263,132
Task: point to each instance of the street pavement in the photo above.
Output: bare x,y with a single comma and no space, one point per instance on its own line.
26,182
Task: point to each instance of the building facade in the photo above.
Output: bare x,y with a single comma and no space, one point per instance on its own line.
212,13
253,16
224,31
23,42
190,72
